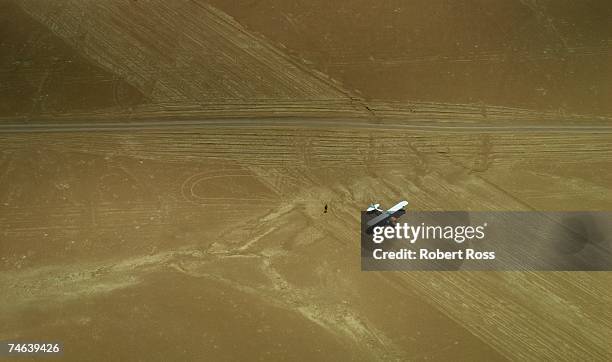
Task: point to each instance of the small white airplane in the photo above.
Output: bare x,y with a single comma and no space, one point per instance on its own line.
395,209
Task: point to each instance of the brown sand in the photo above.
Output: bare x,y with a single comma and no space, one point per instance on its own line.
199,232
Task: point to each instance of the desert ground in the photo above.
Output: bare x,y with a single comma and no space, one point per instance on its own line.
165,165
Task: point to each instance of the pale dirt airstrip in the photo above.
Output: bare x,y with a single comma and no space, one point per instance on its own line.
164,168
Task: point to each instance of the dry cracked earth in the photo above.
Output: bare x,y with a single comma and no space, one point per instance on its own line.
164,167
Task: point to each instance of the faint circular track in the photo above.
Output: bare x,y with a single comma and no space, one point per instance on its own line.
237,196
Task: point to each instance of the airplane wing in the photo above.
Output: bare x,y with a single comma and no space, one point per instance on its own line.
380,218
385,215
397,207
